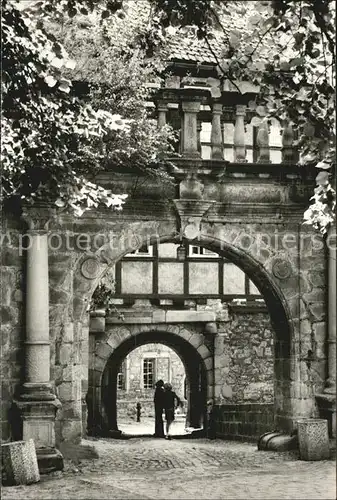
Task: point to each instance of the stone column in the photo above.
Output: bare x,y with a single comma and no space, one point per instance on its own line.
327,400
263,142
330,387
216,135
37,403
162,110
190,135
239,134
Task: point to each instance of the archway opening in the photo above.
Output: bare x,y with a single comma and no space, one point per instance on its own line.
190,365
151,271
136,378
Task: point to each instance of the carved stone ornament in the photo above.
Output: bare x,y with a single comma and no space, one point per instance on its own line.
39,217
281,269
190,214
90,268
192,229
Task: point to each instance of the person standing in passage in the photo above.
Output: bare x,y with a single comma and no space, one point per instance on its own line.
169,406
158,409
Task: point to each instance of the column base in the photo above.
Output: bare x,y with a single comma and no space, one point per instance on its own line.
37,419
37,392
194,155
49,460
327,410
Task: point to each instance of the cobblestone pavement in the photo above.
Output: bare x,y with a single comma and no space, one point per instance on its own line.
148,468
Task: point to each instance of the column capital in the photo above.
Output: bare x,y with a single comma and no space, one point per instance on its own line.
331,238
162,106
39,217
217,108
190,106
240,110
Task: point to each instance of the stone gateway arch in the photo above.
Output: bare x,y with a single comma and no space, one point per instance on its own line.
218,266
290,279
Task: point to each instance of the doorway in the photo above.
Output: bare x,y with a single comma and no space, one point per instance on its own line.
136,378
191,367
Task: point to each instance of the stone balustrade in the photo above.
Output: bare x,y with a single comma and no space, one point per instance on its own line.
197,107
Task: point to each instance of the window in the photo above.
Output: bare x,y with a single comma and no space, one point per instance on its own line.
196,251
148,373
144,251
121,377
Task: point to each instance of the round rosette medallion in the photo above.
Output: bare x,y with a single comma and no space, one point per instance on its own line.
281,269
90,268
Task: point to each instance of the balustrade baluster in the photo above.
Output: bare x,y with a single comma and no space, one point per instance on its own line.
199,128
162,110
190,136
239,135
288,154
263,142
216,136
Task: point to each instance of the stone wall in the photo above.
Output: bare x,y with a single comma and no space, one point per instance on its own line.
168,367
244,357
12,326
244,373
296,274
243,422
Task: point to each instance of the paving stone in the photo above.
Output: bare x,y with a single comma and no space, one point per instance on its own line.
149,468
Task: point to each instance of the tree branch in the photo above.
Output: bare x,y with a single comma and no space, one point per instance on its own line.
323,27
218,63
219,22
260,41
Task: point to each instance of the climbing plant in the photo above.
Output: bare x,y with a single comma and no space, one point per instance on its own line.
103,296
54,140
47,132
122,80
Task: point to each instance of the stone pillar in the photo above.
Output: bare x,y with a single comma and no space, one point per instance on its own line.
162,110
216,135
263,142
327,400
37,403
239,134
330,387
189,132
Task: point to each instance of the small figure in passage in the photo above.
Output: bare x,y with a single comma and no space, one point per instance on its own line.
170,397
211,432
138,411
158,409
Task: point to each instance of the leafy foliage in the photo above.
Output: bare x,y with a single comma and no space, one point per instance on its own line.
47,132
103,296
54,142
287,49
122,81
